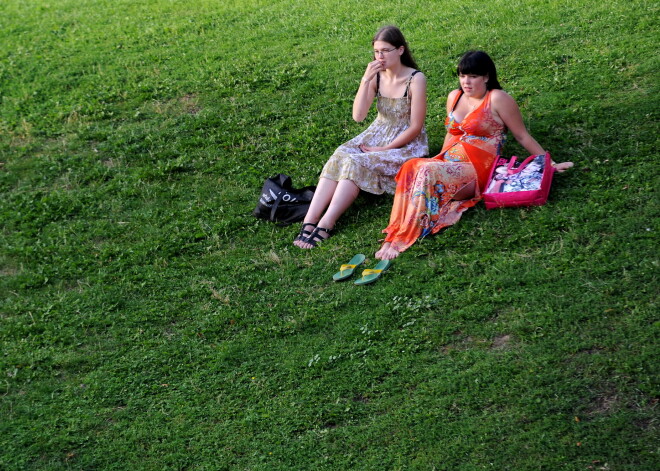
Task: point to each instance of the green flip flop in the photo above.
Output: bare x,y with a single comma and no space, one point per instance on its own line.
346,270
372,274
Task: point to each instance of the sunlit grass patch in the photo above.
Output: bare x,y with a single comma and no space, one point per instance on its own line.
150,321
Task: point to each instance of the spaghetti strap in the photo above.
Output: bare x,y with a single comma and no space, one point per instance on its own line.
458,97
405,94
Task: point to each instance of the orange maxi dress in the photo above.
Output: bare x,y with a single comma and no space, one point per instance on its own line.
424,200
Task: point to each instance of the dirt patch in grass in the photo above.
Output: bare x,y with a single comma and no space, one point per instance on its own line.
501,342
190,104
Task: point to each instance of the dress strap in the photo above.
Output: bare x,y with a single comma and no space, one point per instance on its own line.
458,97
405,95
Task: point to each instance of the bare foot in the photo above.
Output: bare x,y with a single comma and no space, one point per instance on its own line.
319,235
386,252
303,245
305,231
563,166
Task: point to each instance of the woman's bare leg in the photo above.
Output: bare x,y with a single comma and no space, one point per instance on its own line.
321,199
345,193
344,196
323,195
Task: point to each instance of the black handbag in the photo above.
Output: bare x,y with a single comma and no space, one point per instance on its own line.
280,202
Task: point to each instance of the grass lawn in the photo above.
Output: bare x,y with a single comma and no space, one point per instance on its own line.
148,321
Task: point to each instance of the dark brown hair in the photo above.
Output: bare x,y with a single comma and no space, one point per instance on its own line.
393,35
479,63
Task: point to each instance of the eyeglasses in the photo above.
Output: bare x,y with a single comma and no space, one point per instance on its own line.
382,52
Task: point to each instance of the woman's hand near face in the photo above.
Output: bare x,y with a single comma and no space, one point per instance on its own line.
373,68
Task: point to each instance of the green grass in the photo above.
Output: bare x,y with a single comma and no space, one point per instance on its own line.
148,321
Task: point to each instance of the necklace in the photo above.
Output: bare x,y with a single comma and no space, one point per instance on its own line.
479,101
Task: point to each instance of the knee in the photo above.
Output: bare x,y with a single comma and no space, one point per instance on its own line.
408,164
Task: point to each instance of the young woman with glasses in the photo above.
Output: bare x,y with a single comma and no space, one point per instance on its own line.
369,161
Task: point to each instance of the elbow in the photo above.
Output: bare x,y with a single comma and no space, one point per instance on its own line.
415,129
522,138
358,118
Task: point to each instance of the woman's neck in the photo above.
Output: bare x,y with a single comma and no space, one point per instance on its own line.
395,71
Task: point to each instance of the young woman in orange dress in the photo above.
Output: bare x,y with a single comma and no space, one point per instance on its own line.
431,194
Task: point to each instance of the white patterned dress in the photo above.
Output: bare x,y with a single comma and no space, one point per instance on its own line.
374,172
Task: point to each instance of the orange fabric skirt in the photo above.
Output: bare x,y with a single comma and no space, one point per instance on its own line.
428,191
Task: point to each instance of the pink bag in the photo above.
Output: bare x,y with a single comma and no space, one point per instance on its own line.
528,184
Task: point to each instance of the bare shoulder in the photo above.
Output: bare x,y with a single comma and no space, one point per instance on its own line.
418,85
452,97
419,77
501,99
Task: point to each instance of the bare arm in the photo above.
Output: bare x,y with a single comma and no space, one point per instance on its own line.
367,91
507,109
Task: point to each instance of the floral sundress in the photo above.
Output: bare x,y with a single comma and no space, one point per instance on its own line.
374,172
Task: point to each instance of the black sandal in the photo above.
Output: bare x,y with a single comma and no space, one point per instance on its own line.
304,234
316,236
